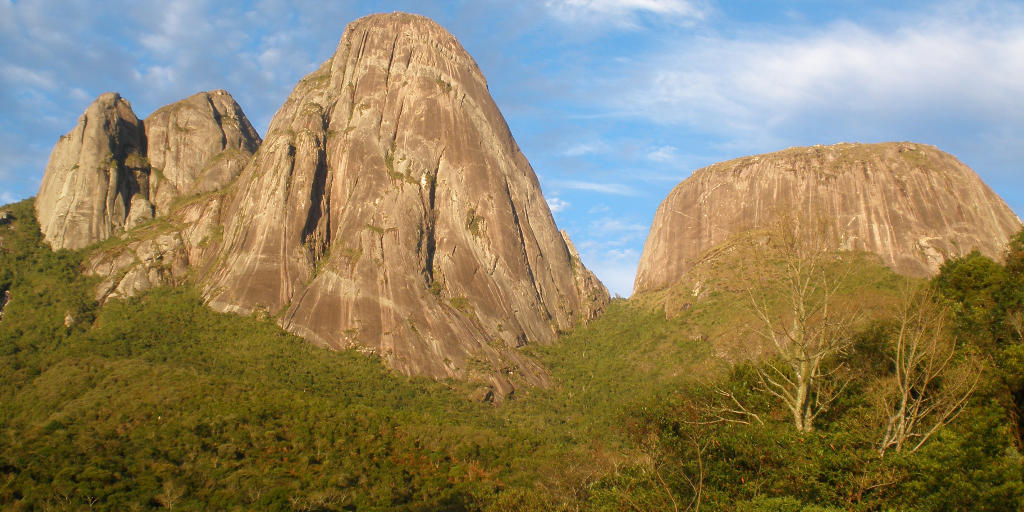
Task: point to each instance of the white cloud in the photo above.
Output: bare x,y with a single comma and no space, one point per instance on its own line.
584,149
180,22
624,13
24,76
759,87
604,188
663,154
616,225
158,76
557,205
8,22
616,268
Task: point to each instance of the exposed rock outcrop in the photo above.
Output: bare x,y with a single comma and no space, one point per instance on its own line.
177,248
112,171
911,204
197,145
96,183
390,208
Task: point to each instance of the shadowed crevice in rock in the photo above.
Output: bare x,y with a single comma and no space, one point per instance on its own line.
428,241
316,234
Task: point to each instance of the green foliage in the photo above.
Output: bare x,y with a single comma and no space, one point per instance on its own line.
988,303
233,412
443,84
460,303
136,161
973,283
49,300
435,288
971,467
389,162
748,463
159,399
474,222
629,353
351,254
1015,255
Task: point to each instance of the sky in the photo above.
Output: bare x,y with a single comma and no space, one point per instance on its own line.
614,102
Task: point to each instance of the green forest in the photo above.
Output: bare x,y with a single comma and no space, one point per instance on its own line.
904,395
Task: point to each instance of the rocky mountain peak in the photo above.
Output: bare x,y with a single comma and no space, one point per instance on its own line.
113,171
197,145
911,204
390,209
97,180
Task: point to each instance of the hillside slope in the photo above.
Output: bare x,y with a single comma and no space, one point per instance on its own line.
157,402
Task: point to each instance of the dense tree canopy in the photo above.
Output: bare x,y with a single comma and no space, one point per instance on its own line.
158,402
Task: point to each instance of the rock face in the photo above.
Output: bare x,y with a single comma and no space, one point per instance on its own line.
911,204
197,145
96,183
177,249
107,175
390,208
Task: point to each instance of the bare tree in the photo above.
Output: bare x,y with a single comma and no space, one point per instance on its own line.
796,278
171,495
926,391
1015,319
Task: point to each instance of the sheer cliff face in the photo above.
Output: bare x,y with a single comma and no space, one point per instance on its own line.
389,208
96,182
106,176
911,204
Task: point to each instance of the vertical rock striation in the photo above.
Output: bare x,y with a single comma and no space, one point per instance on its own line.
911,204
390,208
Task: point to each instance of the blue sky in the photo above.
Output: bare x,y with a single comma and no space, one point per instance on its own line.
613,102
